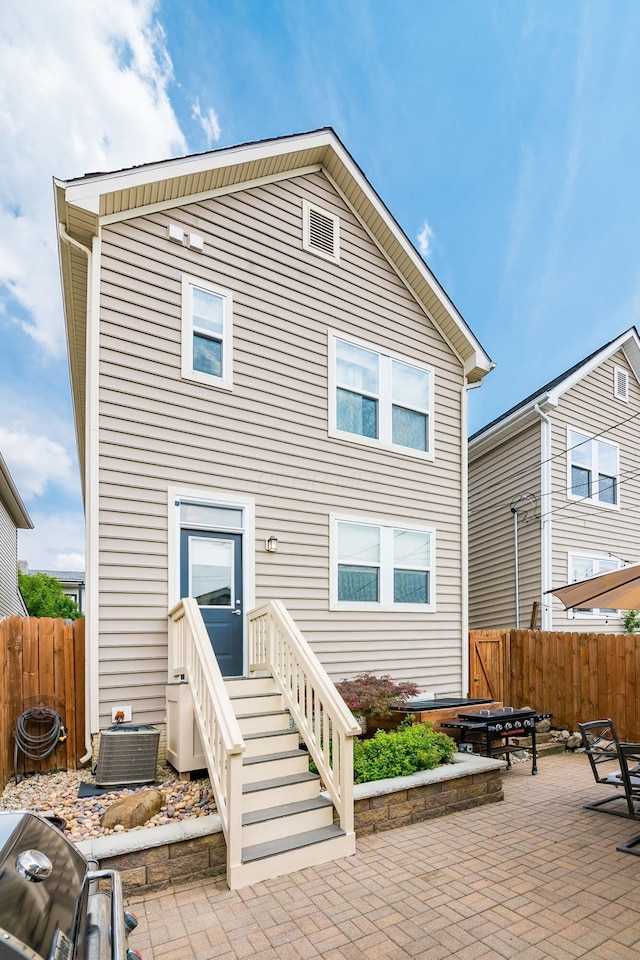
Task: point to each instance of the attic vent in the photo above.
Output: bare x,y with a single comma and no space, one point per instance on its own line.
321,232
621,384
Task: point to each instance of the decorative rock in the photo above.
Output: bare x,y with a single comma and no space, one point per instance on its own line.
133,810
573,741
543,726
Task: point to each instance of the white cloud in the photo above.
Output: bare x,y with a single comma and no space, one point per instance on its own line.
83,87
208,121
425,238
55,543
36,462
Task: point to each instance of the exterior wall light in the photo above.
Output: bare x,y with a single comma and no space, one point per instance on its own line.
271,544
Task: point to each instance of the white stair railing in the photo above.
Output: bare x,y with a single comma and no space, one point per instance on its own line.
324,721
191,655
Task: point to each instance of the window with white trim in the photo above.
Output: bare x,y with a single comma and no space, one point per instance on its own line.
379,398
320,232
207,320
593,469
620,384
382,566
581,567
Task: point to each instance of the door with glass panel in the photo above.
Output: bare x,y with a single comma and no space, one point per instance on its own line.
211,572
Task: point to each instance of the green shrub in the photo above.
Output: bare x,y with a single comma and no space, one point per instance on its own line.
401,752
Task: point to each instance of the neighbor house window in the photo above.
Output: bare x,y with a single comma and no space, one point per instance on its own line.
207,316
582,567
593,469
378,398
382,565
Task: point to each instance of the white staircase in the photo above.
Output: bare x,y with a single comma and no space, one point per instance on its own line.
274,819
286,824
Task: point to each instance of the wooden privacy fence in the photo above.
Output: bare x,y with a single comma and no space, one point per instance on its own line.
574,676
42,663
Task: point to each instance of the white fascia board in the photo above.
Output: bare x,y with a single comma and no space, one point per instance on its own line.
87,192
479,357
626,340
12,500
506,429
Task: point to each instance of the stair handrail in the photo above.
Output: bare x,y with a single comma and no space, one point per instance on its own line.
191,655
323,719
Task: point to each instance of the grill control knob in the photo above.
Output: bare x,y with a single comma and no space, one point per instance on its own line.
33,865
133,954
130,921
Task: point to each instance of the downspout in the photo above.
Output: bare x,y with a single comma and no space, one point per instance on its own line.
545,527
514,511
464,531
87,719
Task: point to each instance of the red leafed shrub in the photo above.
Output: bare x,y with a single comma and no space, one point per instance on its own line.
370,696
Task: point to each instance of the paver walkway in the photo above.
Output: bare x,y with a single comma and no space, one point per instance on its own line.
533,877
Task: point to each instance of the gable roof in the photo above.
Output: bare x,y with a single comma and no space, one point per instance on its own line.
12,500
84,203
546,397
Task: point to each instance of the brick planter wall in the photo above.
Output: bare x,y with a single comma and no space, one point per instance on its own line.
390,810
158,867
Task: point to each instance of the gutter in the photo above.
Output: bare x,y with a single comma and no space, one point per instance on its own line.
546,520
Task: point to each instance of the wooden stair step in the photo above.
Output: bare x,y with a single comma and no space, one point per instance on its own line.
266,713
268,757
259,851
285,810
291,780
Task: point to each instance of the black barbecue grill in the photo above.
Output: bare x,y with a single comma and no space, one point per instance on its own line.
498,725
50,904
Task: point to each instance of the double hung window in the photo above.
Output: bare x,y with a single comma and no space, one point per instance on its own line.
593,469
206,333
582,567
382,565
378,398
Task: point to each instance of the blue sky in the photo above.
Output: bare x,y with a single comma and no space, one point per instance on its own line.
503,136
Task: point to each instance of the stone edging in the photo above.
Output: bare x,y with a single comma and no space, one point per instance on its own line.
155,857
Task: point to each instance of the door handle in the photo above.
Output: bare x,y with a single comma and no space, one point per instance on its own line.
237,613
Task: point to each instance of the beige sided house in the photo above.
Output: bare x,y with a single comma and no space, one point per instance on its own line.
270,392
560,475
13,517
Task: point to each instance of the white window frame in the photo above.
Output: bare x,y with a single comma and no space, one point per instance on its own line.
592,500
307,207
594,613
620,372
225,382
385,400
386,566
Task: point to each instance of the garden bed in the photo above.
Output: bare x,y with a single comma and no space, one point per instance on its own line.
158,857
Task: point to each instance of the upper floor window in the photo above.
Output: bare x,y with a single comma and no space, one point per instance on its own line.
207,318
582,567
593,469
379,398
382,565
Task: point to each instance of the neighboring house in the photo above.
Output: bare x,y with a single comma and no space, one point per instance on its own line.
561,472
13,517
259,354
71,581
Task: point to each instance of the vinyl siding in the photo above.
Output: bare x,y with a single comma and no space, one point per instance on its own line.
585,528
10,599
267,438
495,480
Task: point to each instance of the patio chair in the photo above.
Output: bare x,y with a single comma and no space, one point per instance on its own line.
601,746
630,752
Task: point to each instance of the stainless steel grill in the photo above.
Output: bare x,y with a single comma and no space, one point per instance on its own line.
50,904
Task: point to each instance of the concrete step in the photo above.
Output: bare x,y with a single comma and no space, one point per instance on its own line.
276,823
279,857
272,765
279,790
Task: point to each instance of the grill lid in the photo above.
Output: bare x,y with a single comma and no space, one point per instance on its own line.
501,713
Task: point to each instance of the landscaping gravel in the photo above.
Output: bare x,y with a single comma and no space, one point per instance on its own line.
57,793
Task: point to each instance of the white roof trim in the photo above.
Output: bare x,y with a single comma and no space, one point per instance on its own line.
509,426
12,499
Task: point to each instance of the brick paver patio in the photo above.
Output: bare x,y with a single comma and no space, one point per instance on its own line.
532,877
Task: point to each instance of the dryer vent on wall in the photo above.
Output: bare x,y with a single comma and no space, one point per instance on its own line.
127,754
